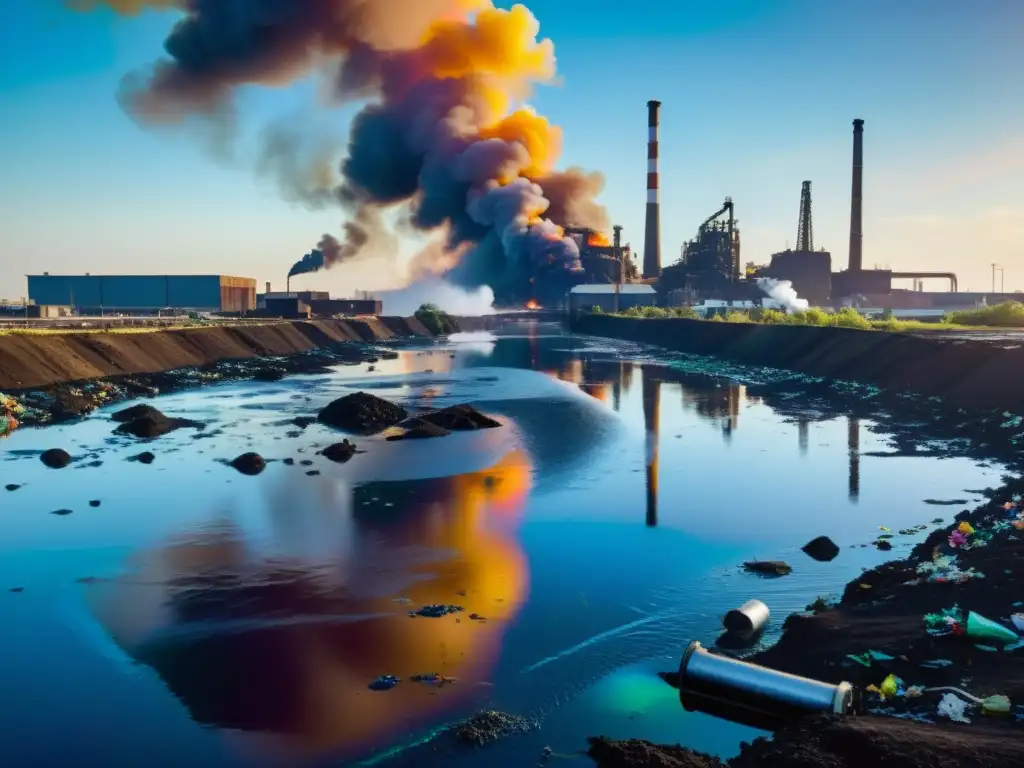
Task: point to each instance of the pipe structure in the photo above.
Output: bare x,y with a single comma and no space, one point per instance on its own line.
953,283
617,251
652,228
856,200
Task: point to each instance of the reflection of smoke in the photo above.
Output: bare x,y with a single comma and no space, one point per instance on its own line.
782,292
439,140
282,636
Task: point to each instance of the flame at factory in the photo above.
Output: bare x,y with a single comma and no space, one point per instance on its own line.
443,144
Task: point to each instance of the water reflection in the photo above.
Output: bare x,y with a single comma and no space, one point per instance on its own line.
275,629
652,422
853,447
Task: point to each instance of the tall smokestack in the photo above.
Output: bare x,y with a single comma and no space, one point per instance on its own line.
856,198
268,286
652,229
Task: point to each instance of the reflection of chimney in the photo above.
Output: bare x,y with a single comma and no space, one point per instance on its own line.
801,426
617,384
652,418
853,445
652,229
856,224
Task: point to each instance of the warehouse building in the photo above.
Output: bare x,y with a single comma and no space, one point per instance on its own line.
143,294
609,297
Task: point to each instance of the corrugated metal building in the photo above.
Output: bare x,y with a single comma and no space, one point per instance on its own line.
90,294
586,297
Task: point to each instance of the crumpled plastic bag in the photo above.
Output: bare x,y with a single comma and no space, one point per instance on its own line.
996,705
954,708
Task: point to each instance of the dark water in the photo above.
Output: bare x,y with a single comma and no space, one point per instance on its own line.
200,617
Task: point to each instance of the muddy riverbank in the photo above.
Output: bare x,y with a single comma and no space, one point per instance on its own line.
50,378
899,631
964,372
36,360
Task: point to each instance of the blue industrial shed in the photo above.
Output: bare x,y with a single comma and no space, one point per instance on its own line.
585,297
143,293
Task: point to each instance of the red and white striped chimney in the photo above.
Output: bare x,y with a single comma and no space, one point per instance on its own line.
652,229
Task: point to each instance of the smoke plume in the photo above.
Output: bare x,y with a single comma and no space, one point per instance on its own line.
443,138
782,292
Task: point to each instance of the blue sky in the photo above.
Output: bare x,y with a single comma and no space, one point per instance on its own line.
758,95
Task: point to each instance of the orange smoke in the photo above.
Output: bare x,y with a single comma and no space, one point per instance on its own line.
598,239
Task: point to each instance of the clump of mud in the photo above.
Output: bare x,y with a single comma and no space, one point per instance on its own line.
491,725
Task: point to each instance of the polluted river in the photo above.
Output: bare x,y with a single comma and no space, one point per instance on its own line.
186,610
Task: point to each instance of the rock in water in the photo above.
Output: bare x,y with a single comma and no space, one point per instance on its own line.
459,418
143,458
153,424
822,549
339,452
12,487
417,429
134,412
55,458
768,567
362,413
249,464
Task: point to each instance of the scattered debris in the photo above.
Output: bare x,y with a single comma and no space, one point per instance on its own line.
61,512
152,424
94,503
437,611
384,683
11,487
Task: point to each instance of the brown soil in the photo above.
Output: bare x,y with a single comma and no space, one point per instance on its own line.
32,361
964,372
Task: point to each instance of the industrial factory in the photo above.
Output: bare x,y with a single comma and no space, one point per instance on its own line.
87,294
51,296
709,267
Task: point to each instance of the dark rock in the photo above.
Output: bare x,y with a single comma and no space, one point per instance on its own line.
313,472
768,567
153,425
94,503
146,457
303,421
249,463
68,405
883,545
458,418
55,458
437,611
362,413
134,412
607,753
822,549
486,727
11,487
306,462
268,374
16,589
61,512
339,452
417,429
289,462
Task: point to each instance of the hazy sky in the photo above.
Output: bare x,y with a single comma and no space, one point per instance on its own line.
757,95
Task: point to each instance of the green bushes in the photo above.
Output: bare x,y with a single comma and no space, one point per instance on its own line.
660,312
1009,314
436,321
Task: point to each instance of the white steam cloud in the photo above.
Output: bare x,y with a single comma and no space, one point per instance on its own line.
450,298
782,292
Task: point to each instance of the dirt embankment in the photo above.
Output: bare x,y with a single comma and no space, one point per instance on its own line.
908,619
963,372
31,361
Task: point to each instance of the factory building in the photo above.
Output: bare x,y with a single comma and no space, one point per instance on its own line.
143,294
611,298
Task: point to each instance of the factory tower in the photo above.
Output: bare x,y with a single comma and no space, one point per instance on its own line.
805,230
652,229
856,200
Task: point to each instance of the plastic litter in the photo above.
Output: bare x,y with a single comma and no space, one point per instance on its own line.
384,683
891,687
1017,620
996,705
866,658
965,528
980,628
953,708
